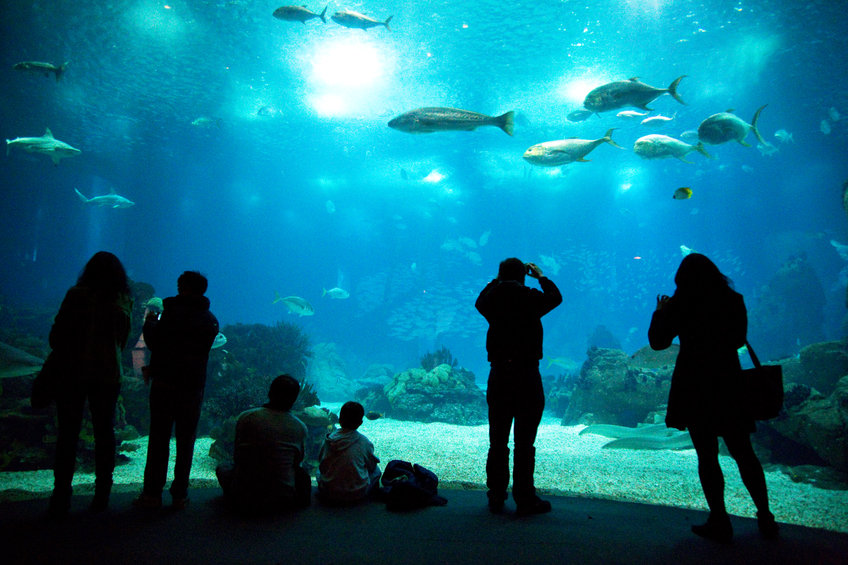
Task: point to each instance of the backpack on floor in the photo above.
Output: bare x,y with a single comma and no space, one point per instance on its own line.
407,486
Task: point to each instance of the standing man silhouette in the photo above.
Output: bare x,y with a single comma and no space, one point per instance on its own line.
179,344
514,393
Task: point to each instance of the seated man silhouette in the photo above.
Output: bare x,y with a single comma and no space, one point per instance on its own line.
266,475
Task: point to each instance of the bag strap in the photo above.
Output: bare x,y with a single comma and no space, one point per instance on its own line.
752,354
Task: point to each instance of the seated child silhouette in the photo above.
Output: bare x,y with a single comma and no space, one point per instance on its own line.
348,470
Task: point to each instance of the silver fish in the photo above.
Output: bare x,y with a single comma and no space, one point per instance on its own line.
427,120
298,14
628,93
296,305
725,126
564,151
355,20
656,146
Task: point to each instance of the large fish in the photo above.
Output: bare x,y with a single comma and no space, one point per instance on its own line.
624,93
725,126
42,68
564,151
298,14
427,120
46,145
296,305
657,146
355,20
111,200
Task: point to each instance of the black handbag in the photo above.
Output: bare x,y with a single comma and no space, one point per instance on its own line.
46,384
762,389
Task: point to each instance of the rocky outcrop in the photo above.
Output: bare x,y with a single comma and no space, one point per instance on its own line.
611,389
327,373
444,394
817,421
822,365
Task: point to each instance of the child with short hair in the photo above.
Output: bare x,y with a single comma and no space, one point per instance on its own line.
348,470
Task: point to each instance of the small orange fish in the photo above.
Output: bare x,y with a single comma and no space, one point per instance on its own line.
682,193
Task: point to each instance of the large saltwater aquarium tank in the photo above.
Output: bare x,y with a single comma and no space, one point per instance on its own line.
221,136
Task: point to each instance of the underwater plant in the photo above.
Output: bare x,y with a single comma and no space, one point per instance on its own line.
441,356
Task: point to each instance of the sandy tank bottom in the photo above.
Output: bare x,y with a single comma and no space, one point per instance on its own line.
566,464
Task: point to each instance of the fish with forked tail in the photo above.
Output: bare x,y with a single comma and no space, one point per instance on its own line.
355,20
631,92
40,68
725,126
300,14
46,145
564,151
657,146
427,120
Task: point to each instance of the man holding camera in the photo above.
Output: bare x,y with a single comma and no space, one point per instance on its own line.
514,393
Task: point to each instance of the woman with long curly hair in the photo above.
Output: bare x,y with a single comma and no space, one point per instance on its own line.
88,335
711,321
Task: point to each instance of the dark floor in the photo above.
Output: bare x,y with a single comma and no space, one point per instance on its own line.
578,530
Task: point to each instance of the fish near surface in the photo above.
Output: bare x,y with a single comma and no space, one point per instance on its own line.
427,120
111,200
622,93
726,126
40,68
45,145
300,14
658,146
564,151
355,20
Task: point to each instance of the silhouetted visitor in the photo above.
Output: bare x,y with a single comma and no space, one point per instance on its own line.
348,470
88,334
269,448
179,344
514,393
711,321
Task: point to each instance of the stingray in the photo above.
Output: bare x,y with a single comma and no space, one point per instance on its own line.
649,436
17,363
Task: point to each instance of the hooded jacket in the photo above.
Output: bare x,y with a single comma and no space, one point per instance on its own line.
348,466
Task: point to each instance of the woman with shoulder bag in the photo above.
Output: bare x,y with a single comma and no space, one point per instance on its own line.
706,393
88,335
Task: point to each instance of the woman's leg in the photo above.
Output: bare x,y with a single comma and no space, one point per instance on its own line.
709,470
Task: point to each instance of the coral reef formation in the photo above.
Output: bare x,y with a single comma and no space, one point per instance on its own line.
612,390
441,356
443,394
790,310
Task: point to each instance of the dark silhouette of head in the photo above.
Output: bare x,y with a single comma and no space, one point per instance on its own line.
512,269
283,392
351,414
698,276
192,282
105,274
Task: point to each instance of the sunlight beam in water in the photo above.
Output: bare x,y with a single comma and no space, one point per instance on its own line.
345,75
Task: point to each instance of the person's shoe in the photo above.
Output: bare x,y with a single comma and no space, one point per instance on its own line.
716,529
496,501
180,503
767,525
100,502
148,501
60,504
531,506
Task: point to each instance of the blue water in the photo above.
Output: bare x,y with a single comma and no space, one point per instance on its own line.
315,190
